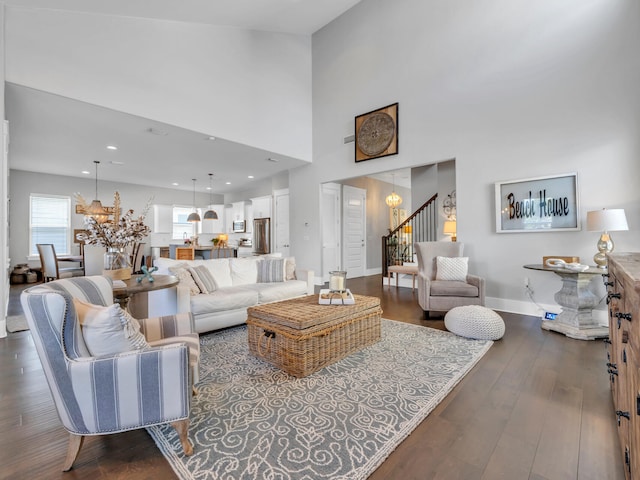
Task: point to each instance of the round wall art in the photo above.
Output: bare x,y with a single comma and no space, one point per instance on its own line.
377,133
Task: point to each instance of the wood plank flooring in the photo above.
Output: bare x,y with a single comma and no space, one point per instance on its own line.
537,406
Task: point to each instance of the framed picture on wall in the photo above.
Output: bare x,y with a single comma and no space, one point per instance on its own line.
540,204
376,133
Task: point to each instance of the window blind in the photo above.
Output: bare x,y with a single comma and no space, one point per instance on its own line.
49,222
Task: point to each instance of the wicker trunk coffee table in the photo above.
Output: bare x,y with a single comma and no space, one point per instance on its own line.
300,336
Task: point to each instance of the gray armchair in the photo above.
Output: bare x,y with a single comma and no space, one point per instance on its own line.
97,395
443,295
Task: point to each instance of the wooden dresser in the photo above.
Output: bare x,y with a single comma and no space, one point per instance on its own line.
623,356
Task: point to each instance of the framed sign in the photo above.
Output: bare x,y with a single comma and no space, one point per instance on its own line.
541,204
377,133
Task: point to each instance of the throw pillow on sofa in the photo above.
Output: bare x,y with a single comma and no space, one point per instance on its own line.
108,330
184,275
203,278
271,270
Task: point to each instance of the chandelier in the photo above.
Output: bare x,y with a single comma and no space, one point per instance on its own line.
96,210
393,199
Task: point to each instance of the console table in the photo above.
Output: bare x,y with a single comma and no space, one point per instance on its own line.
577,302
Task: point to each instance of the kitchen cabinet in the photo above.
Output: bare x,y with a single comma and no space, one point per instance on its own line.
162,218
214,226
233,213
261,206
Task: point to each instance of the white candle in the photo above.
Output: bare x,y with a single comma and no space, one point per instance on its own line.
336,284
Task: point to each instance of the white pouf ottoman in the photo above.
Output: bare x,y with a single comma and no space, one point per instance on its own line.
474,321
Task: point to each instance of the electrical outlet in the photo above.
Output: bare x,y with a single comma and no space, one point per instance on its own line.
526,282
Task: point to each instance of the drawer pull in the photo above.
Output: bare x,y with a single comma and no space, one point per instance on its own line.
611,296
623,316
620,414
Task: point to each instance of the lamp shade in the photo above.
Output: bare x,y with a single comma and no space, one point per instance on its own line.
606,220
210,215
449,227
193,217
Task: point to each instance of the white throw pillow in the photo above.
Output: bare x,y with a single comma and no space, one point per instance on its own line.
183,273
452,268
108,330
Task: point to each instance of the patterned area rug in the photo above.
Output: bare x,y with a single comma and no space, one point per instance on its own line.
253,421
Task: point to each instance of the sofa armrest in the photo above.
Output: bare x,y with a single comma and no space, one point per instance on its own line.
424,289
478,282
307,276
183,300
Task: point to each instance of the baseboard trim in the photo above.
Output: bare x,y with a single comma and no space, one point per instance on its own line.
528,308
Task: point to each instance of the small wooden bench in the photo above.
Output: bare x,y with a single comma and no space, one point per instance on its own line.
403,269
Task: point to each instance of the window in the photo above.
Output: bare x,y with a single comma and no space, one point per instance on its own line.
49,222
181,228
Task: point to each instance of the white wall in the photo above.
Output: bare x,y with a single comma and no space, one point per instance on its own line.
4,196
510,89
242,85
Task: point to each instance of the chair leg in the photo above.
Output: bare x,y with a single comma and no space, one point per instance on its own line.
75,443
182,427
426,314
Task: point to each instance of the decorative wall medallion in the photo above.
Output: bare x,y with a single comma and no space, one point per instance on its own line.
377,133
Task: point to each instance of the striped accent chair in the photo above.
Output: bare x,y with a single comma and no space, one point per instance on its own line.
111,393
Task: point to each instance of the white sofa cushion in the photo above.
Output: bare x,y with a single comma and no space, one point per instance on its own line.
230,298
244,271
274,292
220,270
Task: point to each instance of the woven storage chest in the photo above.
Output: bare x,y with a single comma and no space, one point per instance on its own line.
300,336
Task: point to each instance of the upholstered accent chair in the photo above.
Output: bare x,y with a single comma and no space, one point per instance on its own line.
111,393
450,287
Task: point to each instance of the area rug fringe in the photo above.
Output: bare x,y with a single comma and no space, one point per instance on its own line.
167,442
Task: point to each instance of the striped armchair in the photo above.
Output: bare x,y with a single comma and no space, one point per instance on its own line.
115,393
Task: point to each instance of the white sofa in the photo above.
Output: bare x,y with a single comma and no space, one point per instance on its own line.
236,289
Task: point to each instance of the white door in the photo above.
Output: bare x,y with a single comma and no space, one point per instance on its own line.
354,234
281,221
331,228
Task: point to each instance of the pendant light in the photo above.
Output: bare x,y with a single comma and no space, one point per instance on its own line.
210,214
96,210
194,217
393,200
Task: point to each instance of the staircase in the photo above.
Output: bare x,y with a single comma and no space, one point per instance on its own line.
421,226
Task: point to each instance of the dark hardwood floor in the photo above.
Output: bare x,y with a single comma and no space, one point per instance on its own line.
537,406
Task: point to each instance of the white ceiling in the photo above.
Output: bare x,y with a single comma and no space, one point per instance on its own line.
287,16
54,134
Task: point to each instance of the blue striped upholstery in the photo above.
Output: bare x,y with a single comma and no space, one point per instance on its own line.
99,395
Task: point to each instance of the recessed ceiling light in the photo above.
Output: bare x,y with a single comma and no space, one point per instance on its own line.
211,138
115,162
208,188
175,184
227,183
155,131
111,147
274,160
250,176
85,172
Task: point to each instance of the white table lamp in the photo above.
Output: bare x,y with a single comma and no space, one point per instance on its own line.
605,221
